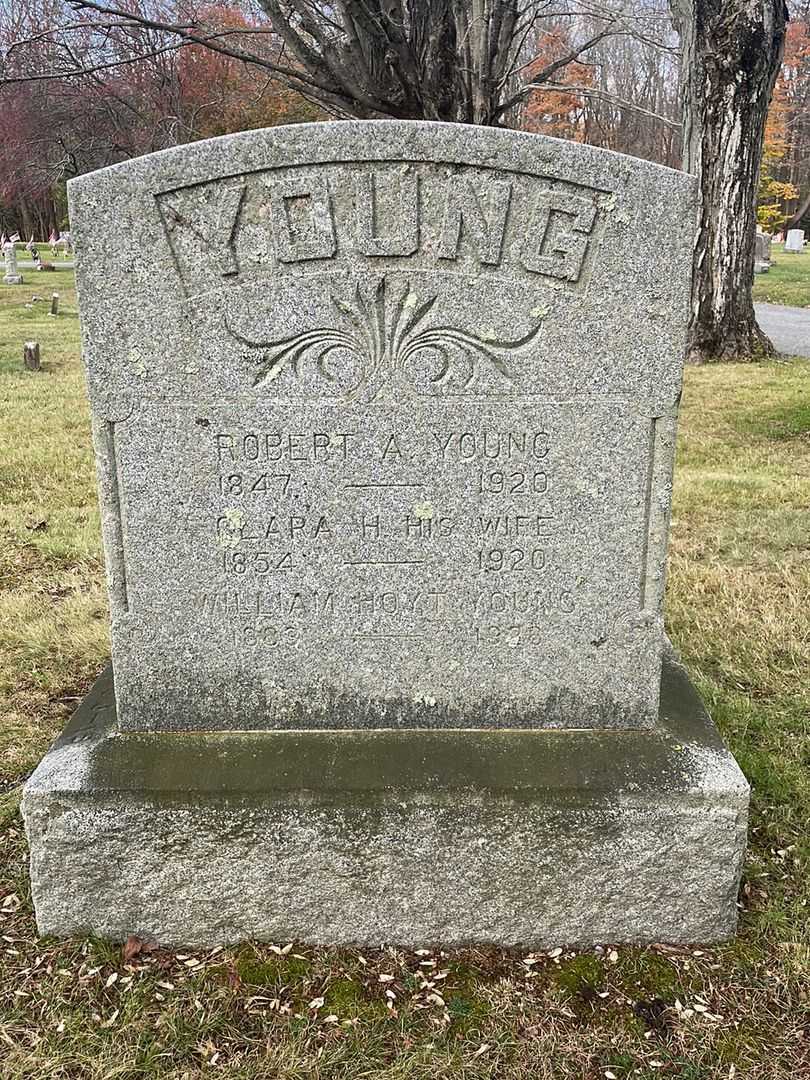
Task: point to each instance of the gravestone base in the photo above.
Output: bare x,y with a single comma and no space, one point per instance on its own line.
535,838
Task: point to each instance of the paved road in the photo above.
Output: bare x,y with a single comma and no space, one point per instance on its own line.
787,327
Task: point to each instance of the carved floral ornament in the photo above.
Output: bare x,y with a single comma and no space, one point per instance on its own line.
386,334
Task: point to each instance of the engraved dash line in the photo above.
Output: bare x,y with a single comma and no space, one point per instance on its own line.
388,637
371,484
384,562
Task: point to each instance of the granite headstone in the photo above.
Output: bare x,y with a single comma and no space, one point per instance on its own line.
376,446
385,418
762,253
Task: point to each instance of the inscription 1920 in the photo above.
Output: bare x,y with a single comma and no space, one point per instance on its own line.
425,215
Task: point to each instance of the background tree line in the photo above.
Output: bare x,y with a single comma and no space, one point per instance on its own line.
86,83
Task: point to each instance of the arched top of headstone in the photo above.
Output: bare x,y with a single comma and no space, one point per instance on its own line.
560,264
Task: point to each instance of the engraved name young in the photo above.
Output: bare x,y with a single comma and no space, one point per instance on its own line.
384,419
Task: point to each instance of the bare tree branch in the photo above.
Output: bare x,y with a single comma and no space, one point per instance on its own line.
546,74
589,91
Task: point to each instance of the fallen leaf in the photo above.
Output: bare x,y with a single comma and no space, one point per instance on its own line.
132,947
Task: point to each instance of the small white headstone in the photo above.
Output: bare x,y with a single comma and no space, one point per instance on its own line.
795,240
12,275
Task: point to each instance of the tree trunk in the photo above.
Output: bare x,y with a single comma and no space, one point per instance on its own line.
25,220
795,220
731,52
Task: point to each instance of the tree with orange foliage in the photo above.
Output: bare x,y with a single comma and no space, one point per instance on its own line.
557,111
144,94
773,192
220,94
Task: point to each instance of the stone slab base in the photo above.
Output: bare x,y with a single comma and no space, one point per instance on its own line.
534,838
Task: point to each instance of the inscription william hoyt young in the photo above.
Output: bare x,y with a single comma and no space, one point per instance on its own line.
375,448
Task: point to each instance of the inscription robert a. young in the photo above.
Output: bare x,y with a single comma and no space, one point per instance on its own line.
340,446
365,216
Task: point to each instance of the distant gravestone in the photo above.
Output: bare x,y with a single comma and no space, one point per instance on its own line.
385,459
762,253
795,240
31,360
12,275
54,304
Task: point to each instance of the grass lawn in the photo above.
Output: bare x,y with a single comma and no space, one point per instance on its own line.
787,281
738,610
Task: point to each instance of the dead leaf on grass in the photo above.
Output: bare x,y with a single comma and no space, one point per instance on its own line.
135,946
